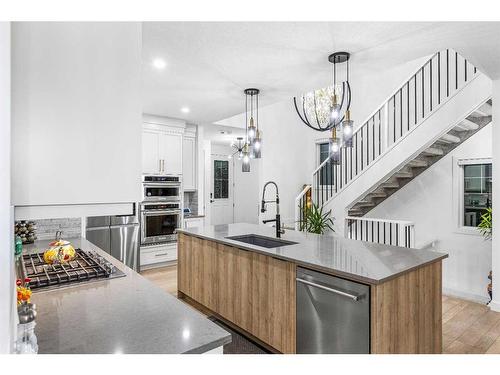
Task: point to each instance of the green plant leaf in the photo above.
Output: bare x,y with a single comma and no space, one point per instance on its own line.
316,220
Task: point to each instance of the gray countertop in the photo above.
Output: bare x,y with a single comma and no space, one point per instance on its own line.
122,315
361,261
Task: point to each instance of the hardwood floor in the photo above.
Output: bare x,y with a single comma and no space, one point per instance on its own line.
164,277
468,327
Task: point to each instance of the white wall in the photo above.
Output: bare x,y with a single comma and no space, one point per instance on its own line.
288,155
76,113
246,192
428,201
371,90
6,223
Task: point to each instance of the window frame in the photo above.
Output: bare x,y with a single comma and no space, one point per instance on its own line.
221,179
458,197
319,142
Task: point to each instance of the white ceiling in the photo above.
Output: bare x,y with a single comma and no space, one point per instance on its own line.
222,134
209,64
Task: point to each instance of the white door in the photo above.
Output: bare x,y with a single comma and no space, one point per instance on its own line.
221,190
150,152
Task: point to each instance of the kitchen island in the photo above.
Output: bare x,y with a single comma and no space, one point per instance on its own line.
253,288
122,315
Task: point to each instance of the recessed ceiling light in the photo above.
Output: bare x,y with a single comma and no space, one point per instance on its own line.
159,63
185,110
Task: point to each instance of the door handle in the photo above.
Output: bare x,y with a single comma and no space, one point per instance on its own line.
331,290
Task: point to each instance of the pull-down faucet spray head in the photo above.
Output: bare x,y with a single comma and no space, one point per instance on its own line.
263,205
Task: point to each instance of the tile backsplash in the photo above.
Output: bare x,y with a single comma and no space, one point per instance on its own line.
47,228
191,201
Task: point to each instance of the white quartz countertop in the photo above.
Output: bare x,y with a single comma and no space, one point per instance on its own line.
361,261
122,315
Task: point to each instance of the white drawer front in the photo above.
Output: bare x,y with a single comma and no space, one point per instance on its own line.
193,223
158,255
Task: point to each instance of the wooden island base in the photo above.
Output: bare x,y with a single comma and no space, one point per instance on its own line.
255,294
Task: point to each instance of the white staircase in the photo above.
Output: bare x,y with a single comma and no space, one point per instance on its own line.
444,103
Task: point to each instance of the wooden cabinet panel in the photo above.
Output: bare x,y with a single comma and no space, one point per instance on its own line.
204,272
406,313
185,264
273,302
234,286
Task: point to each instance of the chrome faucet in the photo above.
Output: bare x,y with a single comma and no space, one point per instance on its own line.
263,209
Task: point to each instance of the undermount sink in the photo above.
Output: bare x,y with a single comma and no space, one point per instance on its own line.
267,242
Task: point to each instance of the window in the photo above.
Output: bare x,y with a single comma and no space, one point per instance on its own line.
476,192
326,177
221,179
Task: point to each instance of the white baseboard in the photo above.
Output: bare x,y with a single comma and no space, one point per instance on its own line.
495,305
466,295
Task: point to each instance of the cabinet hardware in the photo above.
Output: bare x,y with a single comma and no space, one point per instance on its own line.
160,254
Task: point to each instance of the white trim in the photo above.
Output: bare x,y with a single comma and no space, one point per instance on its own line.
362,218
318,142
458,193
164,121
72,210
494,305
467,296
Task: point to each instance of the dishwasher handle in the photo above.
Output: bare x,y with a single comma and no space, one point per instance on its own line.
354,297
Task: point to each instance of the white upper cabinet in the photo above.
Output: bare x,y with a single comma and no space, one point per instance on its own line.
189,163
171,153
76,114
151,161
162,145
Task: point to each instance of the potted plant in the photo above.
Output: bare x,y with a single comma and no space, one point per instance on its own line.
485,229
317,221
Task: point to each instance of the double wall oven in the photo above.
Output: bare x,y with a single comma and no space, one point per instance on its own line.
161,211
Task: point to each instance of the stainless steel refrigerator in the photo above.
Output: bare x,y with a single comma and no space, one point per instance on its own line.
117,235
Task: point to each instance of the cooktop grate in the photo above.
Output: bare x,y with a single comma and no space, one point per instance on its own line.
86,266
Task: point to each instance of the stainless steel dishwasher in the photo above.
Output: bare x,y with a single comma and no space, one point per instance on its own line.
333,314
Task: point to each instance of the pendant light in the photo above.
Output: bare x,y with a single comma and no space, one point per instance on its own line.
252,123
326,108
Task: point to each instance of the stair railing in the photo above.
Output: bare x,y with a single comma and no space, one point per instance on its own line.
433,84
389,232
302,202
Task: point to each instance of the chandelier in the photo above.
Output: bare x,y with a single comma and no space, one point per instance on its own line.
249,147
329,108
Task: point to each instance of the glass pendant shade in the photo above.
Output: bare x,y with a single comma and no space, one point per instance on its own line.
257,146
334,150
334,110
252,130
245,165
347,130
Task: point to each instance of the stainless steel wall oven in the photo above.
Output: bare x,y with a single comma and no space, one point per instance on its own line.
159,221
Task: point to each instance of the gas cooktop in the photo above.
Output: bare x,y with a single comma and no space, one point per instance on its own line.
87,266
